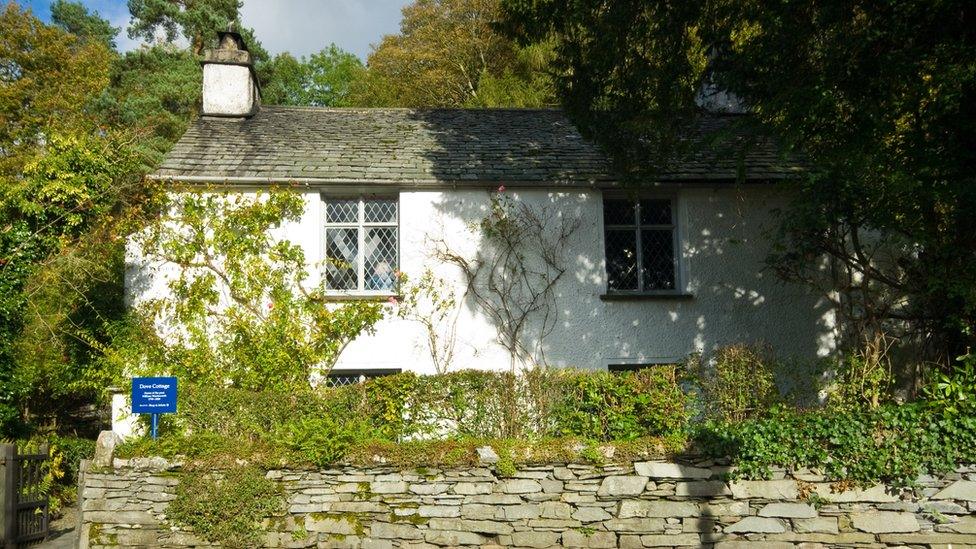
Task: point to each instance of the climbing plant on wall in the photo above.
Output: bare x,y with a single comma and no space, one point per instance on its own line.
241,306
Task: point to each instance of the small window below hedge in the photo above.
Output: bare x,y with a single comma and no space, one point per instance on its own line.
635,366
343,377
619,368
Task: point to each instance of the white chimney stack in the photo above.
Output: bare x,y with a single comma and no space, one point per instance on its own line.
230,87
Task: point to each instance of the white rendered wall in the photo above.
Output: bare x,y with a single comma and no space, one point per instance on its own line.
723,246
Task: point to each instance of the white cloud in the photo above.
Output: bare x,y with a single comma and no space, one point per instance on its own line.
303,27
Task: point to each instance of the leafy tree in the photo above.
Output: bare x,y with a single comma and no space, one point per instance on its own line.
47,78
322,80
241,306
286,80
66,180
196,20
74,17
154,92
445,52
61,271
878,97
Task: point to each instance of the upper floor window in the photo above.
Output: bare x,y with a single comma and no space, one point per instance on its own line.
362,244
641,242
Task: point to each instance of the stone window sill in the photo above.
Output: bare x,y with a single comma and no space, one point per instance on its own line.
332,298
646,296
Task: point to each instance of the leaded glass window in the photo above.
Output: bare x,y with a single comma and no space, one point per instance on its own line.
361,244
640,240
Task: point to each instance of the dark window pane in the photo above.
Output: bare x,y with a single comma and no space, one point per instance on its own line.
380,258
342,211
380,211
343,377
621,259
619,212
657,254
342,259
621,368
655,211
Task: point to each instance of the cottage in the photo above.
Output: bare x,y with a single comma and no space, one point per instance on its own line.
638,279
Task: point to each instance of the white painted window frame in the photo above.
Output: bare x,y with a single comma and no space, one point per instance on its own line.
676,237
360,225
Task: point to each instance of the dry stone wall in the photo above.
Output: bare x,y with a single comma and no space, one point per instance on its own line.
647,504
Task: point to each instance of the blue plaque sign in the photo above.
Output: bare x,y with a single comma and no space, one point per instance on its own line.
154,395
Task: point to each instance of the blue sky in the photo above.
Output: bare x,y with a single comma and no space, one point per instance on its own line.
299,26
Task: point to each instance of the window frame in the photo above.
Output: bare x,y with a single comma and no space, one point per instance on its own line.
360,225
361,374
632,364
638,228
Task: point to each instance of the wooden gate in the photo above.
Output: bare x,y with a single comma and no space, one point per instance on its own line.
24,517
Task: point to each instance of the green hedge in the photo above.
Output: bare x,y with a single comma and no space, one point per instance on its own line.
558,415
470,404
322,426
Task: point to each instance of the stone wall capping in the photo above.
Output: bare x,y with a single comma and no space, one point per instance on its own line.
874,494
758,525
964,490
881,522
788,510
670,470
765,489
651,503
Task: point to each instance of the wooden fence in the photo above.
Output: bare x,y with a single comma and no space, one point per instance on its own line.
24,500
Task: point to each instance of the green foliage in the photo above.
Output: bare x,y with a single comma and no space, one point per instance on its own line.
463,405
197,21
874,96
59,260
48,77
604,406
737,383
322,440
154,91
322,80
447,53
955,390
72,450
74,17
226,507
68,184
864,377
239,306
891,443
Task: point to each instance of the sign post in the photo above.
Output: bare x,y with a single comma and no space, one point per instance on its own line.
154,396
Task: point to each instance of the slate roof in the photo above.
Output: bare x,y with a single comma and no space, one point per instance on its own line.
418,147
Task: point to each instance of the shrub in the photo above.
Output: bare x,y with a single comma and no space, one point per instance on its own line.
604,406
739,384
469,404
320,426
955,389
322,440
864,377
226,508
